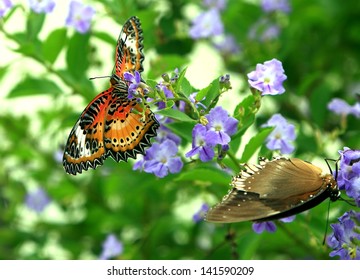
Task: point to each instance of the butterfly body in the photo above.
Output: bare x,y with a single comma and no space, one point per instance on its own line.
113,125
272,190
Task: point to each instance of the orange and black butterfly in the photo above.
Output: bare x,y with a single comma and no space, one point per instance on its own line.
113,125
274,189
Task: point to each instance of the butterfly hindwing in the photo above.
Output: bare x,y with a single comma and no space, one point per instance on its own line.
127,129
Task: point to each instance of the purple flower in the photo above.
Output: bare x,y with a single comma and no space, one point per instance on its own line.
345,239
268,77
207,24
220,126
341,107
161,159
275,5
226,44
37,200
164,88
112,247
348,176
270,226
217,4
199,215
356,110
80,16
280,137
200,145
58,156
264,30
139,164
271,32
260,227
42,6
5,5
135,82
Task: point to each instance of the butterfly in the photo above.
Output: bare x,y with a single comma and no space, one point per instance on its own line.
272,190
113,125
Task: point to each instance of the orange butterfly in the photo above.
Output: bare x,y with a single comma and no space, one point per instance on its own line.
113,125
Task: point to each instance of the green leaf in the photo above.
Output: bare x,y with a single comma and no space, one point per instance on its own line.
31,86
175,114
214,176
182,129
3,71
255,143
165,63
151,83
34,25
26,47
245,114
211,94
53,44
180,79
77,54
202,93
186,88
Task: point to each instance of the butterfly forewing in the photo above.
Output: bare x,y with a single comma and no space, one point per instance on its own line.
272,190
112,125
85,145
129,55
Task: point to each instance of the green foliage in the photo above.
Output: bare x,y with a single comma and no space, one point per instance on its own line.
319,48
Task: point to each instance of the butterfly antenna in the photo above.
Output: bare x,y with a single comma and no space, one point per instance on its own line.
99,77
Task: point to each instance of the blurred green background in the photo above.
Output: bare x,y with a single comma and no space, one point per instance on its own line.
44,77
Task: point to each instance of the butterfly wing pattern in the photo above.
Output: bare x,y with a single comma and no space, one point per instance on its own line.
113,125
274,189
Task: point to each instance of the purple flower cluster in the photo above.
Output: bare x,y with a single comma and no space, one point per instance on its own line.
37,200
80,16
275,5
282,135
112,247
220,126
5,5
341,107
269,226
161,158
346,236
268,77
199,215
43,6
348,177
